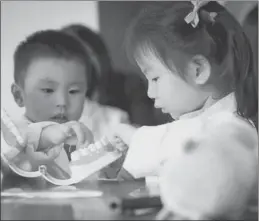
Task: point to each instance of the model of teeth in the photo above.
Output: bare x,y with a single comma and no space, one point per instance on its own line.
92,149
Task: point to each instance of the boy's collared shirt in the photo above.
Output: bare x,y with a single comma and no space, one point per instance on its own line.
152,145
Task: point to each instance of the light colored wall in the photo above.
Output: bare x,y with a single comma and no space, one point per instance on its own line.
21,18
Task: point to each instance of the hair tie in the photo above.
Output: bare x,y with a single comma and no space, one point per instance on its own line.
193,17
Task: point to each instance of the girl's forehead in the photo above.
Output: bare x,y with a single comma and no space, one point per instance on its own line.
148,58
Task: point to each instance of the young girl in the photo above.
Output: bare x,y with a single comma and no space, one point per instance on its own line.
198,64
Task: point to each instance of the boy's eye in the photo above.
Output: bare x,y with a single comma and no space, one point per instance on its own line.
74,91
47,90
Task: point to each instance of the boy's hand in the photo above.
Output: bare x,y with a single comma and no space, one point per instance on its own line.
81,132
54,135
51,144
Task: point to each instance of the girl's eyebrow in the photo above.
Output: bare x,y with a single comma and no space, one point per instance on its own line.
146,71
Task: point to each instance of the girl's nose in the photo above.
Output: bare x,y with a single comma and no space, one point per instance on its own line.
151,91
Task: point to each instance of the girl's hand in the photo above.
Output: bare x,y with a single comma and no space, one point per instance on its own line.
122,134
119,144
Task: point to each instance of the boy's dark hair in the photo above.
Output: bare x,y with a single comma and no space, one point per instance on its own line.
162,28
47,44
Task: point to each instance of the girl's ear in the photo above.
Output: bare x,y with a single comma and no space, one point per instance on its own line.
17,94
198,70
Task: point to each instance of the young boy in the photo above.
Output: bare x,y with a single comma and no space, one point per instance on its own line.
50,81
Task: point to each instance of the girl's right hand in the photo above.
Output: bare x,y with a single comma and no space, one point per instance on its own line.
122,134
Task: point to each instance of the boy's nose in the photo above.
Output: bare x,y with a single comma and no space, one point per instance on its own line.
61,100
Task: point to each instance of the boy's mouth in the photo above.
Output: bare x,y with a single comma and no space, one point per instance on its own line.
59,118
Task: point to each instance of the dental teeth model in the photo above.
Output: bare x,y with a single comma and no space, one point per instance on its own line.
92,152
85,161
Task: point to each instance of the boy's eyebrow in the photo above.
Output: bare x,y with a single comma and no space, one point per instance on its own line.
78,83
47,80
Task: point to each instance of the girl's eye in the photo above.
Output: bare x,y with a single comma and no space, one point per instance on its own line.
155,79
74,91
47,90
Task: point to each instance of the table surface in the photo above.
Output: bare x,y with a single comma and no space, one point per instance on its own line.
96,208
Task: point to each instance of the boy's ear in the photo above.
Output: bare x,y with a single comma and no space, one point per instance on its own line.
198,70
17,94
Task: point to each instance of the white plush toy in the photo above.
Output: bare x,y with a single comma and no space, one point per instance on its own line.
215,175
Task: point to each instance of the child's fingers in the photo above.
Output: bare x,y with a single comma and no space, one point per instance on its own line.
45,156
113,134
118,143
115,140
83,134
88,137
54,135
121,146
74,128
88,133
77,128
66,129
54,152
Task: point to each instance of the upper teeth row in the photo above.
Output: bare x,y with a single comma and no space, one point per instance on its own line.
76,155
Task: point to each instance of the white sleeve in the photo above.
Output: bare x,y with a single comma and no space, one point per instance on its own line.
141,159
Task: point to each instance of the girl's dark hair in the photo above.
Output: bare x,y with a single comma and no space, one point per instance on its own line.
250,26
162,28
98,53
